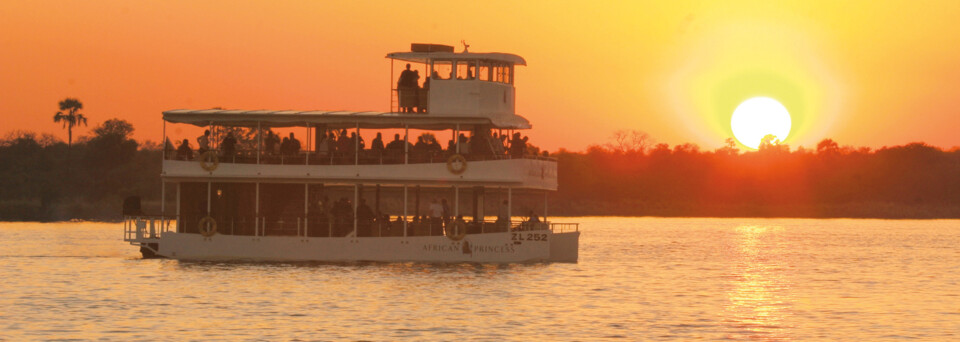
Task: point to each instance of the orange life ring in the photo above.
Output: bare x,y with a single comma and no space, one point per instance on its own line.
207,226
209,161
457,164
461,229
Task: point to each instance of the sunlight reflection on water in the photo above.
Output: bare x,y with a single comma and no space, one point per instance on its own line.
638,279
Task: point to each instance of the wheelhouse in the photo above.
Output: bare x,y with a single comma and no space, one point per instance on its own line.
455,84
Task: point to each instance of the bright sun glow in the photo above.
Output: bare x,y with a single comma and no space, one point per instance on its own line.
756,117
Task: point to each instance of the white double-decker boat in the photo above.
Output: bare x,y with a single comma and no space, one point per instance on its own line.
340,199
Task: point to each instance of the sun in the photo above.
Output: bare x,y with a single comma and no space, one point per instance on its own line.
756,117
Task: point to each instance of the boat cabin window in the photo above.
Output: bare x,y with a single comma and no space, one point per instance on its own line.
484,73
472,69
503,73
441,70
466,70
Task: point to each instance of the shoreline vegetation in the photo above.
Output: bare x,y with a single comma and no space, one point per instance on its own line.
45,179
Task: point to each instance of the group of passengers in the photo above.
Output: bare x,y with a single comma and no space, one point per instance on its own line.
339,217
409,91
289,146
337,145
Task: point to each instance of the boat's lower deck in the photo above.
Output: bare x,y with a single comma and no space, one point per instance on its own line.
522,243
521,246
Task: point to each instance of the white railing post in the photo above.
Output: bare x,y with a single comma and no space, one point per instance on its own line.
356,199
306,204
259,142
509,208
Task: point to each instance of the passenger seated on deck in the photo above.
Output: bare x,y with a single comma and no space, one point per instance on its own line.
452,229
532,223
184,152
534,218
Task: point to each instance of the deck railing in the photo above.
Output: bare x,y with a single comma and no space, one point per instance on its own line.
328,226
366,157
142,228
557,228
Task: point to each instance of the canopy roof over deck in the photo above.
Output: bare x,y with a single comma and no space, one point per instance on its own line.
423,57
338,119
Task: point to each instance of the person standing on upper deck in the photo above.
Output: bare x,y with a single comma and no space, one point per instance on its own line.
518,146
407,87
229,145
343,144
184,152
323,146
406,78
203,142
270,143
294,146
377,145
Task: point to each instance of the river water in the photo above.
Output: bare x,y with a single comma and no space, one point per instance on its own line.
637,279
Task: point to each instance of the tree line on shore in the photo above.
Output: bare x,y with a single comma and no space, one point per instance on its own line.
632,176
44,179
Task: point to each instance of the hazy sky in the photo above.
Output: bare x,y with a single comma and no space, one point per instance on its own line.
867,73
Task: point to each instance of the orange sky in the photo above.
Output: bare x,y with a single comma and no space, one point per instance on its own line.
864,73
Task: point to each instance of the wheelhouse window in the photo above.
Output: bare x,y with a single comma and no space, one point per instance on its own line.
441,70
484,73
503,73
466,70
489,71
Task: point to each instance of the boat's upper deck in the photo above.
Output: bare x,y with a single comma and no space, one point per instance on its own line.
470,95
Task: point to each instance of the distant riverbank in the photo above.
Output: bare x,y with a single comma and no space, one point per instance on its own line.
45,180
878,210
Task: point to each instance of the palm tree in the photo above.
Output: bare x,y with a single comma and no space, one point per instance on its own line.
68,113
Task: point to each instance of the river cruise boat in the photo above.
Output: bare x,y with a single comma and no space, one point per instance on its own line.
239,192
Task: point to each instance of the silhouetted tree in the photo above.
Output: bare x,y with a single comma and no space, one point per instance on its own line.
70,115
827,146
632,141
729,148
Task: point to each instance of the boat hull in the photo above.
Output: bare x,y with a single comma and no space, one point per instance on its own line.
504,247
